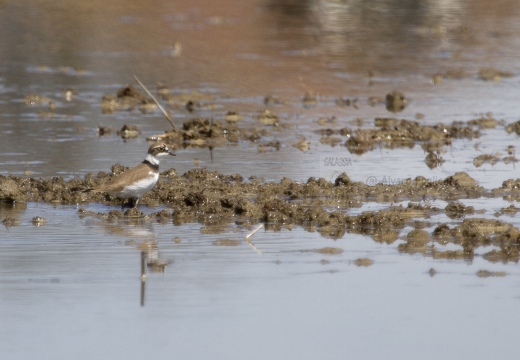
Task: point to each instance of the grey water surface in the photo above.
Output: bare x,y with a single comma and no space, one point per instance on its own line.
72,288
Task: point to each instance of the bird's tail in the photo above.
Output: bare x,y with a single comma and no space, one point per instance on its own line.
87,190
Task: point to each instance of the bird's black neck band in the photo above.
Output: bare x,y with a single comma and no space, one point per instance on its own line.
153,166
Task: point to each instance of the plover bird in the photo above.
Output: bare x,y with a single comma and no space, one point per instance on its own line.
135,182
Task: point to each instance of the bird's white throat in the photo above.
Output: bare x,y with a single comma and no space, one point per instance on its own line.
152,159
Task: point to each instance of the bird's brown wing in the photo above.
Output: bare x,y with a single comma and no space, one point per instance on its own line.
117,183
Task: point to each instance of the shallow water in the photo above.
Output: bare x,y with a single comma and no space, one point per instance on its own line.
72,288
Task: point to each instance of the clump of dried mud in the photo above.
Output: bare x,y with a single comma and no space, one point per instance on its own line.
201,132
391,133
197,132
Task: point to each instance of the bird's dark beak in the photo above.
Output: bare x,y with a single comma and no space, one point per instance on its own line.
170,152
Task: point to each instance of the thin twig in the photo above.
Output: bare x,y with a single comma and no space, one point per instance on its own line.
254,231
155,100
248,237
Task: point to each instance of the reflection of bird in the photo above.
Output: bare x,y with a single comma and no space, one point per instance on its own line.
10,221
150,251
135,182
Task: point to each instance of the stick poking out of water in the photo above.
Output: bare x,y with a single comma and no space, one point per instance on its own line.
156,102
248,237
254,231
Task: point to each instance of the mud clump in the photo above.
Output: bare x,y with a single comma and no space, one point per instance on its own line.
326,251
485,122
302,145
126,99
270,100
342,180
226,242
36,99
129,132
487,273
462,180
450,255
10,190
105,130
39,221
416,242
233,117
510,190
347,102
489,74
399,133
456,210
395,101
450,74
363,262
55,190
201,132
485,158
418,237
266,117
474,233
514,127
433,160
510,210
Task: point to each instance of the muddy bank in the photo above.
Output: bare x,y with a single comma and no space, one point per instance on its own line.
214,199
207,192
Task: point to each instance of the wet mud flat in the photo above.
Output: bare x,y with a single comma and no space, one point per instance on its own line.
218,200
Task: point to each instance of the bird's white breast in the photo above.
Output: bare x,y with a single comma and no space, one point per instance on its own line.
138,188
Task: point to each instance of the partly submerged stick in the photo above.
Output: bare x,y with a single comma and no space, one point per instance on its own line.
155,100
254,231
248,237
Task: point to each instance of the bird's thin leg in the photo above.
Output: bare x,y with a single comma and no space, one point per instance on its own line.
136,202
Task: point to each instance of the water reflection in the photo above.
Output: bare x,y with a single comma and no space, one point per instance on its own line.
10,213
239,53
372,35
150,260
143,277
139,233
321,42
